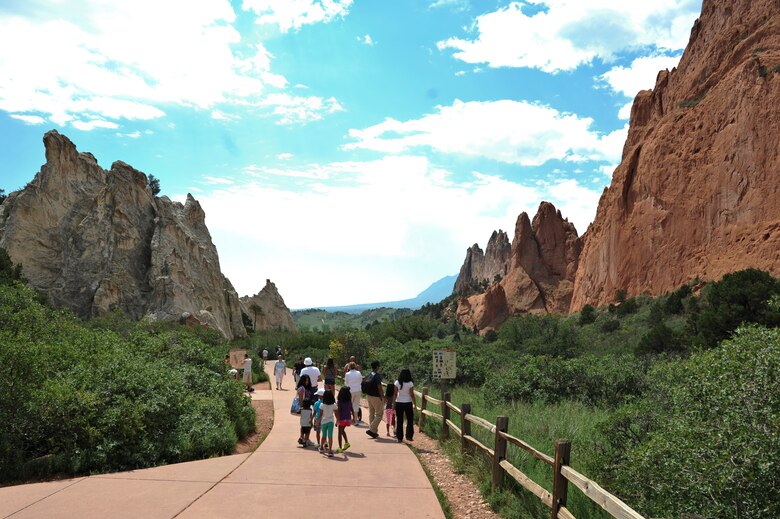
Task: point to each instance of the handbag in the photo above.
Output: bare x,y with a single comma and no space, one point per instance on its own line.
296,406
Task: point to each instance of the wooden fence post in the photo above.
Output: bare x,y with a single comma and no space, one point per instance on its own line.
423,406
465,427
445,415
502,425
560,483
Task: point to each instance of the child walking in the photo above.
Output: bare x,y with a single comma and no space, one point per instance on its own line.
389,411
306,421
346,415
317,413
326,420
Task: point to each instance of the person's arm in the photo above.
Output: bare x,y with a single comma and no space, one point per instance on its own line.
395,395
379,387
414,398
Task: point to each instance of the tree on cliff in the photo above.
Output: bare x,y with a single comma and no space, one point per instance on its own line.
154,185
3,196
8,271
256,310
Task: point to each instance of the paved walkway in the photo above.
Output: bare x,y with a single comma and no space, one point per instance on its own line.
375,478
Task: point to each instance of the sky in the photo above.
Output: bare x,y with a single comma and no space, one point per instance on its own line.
348,150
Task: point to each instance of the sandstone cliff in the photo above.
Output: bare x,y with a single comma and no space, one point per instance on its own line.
697,191
479,266
94,240
267,310
539,273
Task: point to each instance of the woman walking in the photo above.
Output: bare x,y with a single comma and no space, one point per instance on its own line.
329,374
304,389
279,368
405,402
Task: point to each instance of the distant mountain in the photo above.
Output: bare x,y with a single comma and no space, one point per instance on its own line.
433,294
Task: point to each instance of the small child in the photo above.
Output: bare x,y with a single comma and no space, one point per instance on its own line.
327,419
317,415
389,411
346,414
306,421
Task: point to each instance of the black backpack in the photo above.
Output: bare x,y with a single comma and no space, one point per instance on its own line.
368,386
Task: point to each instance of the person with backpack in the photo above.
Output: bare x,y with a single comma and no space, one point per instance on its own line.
372,387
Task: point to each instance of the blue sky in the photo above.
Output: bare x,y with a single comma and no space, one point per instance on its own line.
349,150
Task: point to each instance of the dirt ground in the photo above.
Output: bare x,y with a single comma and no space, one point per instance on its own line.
264,420
466,502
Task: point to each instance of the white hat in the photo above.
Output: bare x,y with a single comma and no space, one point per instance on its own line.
307,361
320,392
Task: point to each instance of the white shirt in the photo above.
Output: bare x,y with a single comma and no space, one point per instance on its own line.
327,413
404,395
247,364
353,379
314,374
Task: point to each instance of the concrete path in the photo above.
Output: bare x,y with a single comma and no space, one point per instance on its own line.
374,478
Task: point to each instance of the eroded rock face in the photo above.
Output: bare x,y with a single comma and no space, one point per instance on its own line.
697,192
94,240
267,310
539,273
479,266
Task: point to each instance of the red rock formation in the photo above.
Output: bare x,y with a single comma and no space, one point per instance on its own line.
539,275
698,190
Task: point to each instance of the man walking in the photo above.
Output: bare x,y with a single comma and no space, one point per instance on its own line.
353,380
373,390
279,369
314,373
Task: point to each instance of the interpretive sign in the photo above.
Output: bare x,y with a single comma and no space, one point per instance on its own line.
444,367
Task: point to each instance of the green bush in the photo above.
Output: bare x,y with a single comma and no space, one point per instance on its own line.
77,399
705,438
740,297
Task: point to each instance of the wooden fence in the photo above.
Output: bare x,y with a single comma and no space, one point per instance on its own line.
562,473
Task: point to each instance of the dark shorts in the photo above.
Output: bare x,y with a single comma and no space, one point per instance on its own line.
330,381
305,430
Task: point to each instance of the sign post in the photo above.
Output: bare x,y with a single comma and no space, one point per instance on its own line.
444,368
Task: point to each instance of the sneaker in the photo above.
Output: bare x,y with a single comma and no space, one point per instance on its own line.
308,443
346,446
400,440
372,434
339,450
300,441
330,454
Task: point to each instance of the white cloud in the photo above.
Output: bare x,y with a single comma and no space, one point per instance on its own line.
558,35
291,109
132,135
218,181
294,14
640,75
91,124
625,111
362,220
219,115
121,61
514,132
456,5
284,156
366,40
28,119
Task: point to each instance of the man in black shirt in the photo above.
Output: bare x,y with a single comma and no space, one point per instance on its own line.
376,406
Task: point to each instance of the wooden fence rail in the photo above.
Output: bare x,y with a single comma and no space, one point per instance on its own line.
562,473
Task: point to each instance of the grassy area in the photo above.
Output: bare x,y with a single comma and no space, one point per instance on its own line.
539,425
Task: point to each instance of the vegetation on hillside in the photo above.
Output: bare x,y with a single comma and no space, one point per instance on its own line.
110,395
321,320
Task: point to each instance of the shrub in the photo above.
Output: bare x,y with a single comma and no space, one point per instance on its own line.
610,325
77,399
740,297
703,440
587,315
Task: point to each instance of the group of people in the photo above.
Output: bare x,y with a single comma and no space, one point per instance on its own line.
324,409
